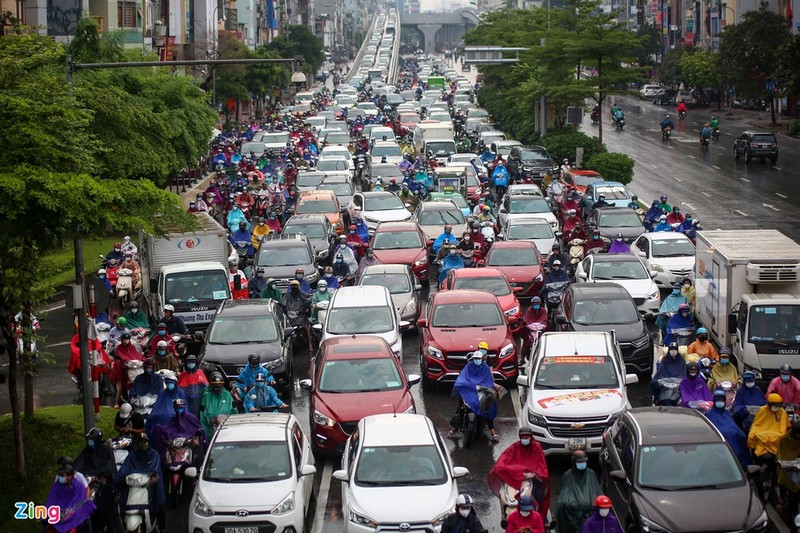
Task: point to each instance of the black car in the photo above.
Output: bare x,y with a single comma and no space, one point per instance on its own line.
613,220
317,229
752,144
244,327
665,97
606,306
535,161
658,464
281,255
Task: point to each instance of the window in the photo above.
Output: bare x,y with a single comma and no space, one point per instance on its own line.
126,14
623,442
297,446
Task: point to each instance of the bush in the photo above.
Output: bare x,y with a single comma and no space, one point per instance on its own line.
793,128
562,144
612,166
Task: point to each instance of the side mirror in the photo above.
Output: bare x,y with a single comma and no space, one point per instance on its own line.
516,290
190,471
618,475
305,384
418,287
733,322
200,336
631,379
413,379
522,380
583,276
752,470
308,470
340,475
503,210
405,325
153,286
460,471
653,273
642,254
288,332
561,319
422,323
501,236
317,327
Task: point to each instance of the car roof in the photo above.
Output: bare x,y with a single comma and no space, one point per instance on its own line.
397,430
572,343
529,221
355,347
512,244
605,183
753,132
378,194
361,296
314,195
389,268
459,296
254,427
672,425
285,241
335,178
485,272
599,290
397,226
668,235
313,217
439,206
246,307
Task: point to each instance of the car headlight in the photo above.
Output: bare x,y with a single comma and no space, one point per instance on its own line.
286,505
410,307
201,508
536,420
649,526
436,522
657,267
655,294
760,523
423,261
538,278
506,350
360,519
641,341
322,420
513,311
435,353
370,219
410,411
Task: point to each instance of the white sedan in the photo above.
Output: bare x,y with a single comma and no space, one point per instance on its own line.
376,207
671,255
627,271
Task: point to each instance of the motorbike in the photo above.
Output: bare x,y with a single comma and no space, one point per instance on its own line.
683,336
619,123
509,499
241,250
681,115
704,142
715,134
137,507
666,133
487,230
120,445
322,311
669,392
534,330
143,404
595,117
470,423
575,252
179,458
133,369
124,288
730,392
706,366
555,293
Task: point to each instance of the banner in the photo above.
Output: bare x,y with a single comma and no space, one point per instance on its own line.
272,22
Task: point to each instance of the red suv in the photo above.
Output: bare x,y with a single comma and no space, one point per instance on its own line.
401,243
489,280
520,262
353,377
454,322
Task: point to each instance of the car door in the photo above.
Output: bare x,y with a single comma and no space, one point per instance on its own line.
349,456
505,206
356,206
583,269
619,455
302,454
642,246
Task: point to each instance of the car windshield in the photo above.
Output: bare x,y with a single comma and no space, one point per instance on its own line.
284,257
338,137
355,320
386,171
583,181
388,151
438,217
339,189
616,192
396,283
308,179
673,248
305,207
497,286
311,231
384,466
332,165
275,138
255,147
688,467
512,257
529,231
380,133
441,148
394,240
248,462
774,323
467,315
243,330
367,105
197,286
528,204
604,312
764,138
359,375
577,372
457,199
410,119
384,202
609,270
535,156
621,218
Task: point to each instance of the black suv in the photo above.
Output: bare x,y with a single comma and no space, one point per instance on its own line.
281,255
606,306
244,327
535,161
317,229
752,144
665,97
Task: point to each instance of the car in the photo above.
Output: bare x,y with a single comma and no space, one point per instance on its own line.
503,148
685,97
461,158
524,189
335,138
665,97
670,255
604,306
578,179
396,472
321,202
535,161
487,137
489,280
384,171
308,180
332,151
316,123
648,91
345,101
281,255
365,311
341,186
519,205
433,216
615,193
649,468
402,284
243,327
368,107
401,243
275,142
520,262
576,388
472,123
533,229
317,230
611,221
409,119
750,144
258,475
451,327
453,197
388,150
335,166
439,115
351,378
376,207
625,270
253,147
466,67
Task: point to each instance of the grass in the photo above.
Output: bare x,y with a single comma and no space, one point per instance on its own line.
52,433
63,261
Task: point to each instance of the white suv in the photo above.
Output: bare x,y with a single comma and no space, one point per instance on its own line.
397,476
577,389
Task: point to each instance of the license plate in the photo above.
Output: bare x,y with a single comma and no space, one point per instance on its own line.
576,444
241,530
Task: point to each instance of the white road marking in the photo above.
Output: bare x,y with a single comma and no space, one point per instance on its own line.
676,178
771,207
514,393
57,344
693,157
690,206
781,195
322,497
777,168
745,179
706,194
739,212
715,166
60,305
731,134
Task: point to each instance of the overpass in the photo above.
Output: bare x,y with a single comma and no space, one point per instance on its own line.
435,28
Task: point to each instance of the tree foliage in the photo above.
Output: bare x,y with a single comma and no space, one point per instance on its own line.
564,144
612,166
788,71
701,69
670,69
650,39
300,42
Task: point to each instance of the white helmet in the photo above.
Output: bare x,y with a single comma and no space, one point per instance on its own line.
169,307
102,271
161,344
464,500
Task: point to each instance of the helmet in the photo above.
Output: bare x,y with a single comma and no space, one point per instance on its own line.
169,307
169,375
448,226
524,430
526,503
536,300
125,411
666,116
603,502
352,227
702,331
117,245
261,377
683,307
161,344
786,368
774,398
706,124
749,375
464,500
190,357
216,377
322,284
122,321
486,208
253,359
101,272
149,362
125,335
232,262
719,393
557,262
725,351
178,402
294,283
692,366
95,434
483,345
579,456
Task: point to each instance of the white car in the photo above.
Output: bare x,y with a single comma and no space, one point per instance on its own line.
388,149
316,123
649,91
330,151
376,207
525,205
275,141
335,166
534,229
670,255
524,189
369,108
397,476
625,270
576,389
461,158
258,474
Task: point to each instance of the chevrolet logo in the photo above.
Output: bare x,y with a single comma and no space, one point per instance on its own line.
577,425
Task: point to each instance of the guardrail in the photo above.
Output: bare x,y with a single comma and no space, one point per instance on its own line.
395,63
361,51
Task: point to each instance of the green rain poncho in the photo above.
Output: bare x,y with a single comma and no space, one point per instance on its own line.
137,319
213,404
271,292
319,296
576,499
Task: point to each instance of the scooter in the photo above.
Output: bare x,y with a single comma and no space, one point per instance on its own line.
509,499
575,252
179,457
666,133
669,392
470,423
704,142
137,507
144,404
681,115
124,288
120,445
715,134
487,230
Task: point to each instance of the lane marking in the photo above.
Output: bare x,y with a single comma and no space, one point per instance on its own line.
771,207
693,157
65,343
715,166
745,179
54,307
676,178
706,194
322,497
777,168
731,134
514,393
690,206
739,212
781,195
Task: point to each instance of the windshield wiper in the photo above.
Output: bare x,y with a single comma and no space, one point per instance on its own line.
248,342
542,386
371,483
625,277
694,487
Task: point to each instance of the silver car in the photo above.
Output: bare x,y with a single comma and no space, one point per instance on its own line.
402,285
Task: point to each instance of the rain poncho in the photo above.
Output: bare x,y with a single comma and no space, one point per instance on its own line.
670,367
362,230
720,373
256,286
767,430
471,377
162,409
599,524
669,304
234,217
734,436
141,462
213,404
348,255
97,461
193,383
262,395
694,389
137,319
147,384
653,213
76,508
247,377
576,499
332,281
243,236
619,247
318,297
272,293
514,462
184,425
439,241
450,262
500,176
678,321
662,226
746,396
533,523
365,262
297,306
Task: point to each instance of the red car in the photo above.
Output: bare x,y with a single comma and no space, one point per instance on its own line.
353,377
520,262
453,324
490,280
579,179
401,243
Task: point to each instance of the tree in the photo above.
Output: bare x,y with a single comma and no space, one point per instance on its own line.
90,46
788,73
670,70
299,42
650,38
701,69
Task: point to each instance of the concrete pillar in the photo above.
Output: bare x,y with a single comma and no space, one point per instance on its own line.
36,15
429,35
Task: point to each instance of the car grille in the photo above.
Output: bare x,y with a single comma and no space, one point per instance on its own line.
591,427
461,357
681,273
407,527
348,427
282,284
233,371
638,301
263,527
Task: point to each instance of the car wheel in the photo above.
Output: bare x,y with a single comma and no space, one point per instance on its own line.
735,153
470,429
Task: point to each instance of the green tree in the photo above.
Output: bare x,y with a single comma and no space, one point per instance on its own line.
788,73
650,38
701,69
231,83
261,79
90,46
300,42
670,70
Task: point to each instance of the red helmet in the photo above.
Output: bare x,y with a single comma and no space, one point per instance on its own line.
603,502
352,227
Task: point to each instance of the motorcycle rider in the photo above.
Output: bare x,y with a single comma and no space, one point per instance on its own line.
163,409
129,263
688,227
257,284
340,269
675,218
786,385
193,382
96,461
102,275
724,371
247,377
579,489
361,230
174,323
705,133
476,373
297,306
242,235
71,497
572,201
570,220
464,519
500,178
702,348
680,320
446,234
617,114
235,217
216,401
693,387
128,247
602,519
681,109
476,237
128,423
369,259
300,275
135,317
233,270
714,124
596,243
734,436
182,424
672,365
354,241
662,225
619,246
116,254
666,123
578,232
535,313
634,203
347,253
322,295
525,517
557,274
770,424
271,291
126,352
261,230
750,395
142,460
115,333
262,396
665,207
601,202
653,215
411,201
331,280
273,223
148,383
556,255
